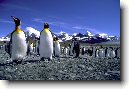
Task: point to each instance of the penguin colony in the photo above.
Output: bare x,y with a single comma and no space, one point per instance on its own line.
48,46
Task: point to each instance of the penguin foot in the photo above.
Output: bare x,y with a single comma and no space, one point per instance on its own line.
42,59
76,56
49,59
17,61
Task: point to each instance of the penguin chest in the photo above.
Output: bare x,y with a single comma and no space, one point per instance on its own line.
118,52
57,48
46,44
31,48
46,39
112,53
101,52
108,52
65,51
19,46
97,53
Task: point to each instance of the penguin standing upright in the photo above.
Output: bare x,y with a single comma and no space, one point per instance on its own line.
56,47
101,52
65,50
90,51
37,47
104,49
62,50
77,48
68,50
31,48
46,43
83,50
18,44
106,52
69,47
112,53
94,51
108,55
72,48
118,53
116,49
97,52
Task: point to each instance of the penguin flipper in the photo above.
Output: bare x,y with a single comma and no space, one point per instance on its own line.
8,48
9,45
38,45
28,50
51,33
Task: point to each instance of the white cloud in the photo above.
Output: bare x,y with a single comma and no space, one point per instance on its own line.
5,21
54,23
77,27
38,20
32,30
94,31
71,27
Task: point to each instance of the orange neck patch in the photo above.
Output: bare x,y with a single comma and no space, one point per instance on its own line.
46,31
18,30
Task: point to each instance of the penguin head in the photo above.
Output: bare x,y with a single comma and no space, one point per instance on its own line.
16,20
55,39
73,39
46,25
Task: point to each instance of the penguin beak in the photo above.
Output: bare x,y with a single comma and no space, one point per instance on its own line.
13,17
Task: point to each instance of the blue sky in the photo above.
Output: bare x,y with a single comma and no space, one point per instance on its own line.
71,16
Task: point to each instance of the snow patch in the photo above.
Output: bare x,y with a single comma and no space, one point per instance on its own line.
31,30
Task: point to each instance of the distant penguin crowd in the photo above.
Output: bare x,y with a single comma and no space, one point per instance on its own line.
48,46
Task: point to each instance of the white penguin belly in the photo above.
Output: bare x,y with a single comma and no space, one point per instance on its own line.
112,53
19,46
94,50
118,52
97,53
57,49
108,53
71,49
65,51
46,45
31,49
101,53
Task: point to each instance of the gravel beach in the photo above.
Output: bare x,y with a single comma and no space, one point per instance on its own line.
60,68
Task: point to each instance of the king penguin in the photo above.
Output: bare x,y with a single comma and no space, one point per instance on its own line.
56,47
77,48
72,51
31,48
46,43
18,43
83,50
101,52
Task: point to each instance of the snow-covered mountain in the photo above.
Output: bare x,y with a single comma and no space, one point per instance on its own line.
32,33
88,33
102,35
4,39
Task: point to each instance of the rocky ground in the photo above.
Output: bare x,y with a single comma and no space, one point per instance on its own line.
62,68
